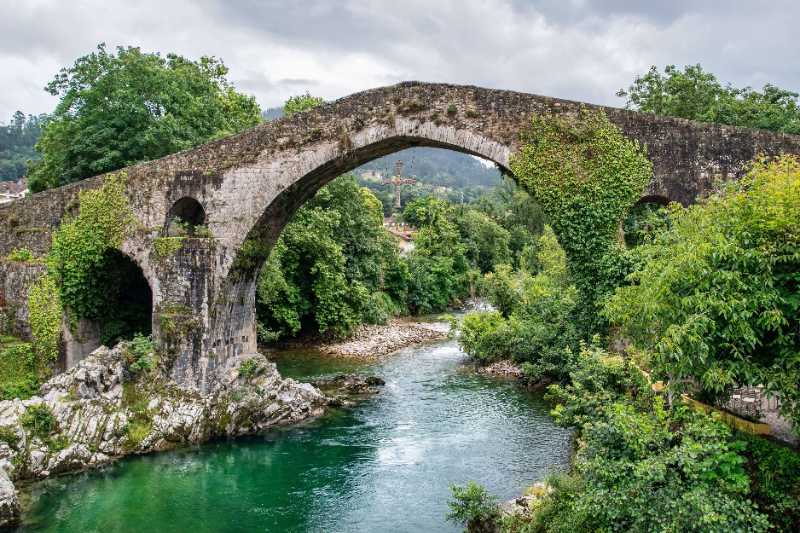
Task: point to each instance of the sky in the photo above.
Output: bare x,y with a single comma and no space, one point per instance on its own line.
576,49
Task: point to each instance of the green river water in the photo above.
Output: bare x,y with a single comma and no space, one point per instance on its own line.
384,465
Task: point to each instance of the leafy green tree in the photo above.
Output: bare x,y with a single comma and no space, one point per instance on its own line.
300,103
485,241
473,507
641,466
716,294
117,109
502,288
696,94
534,325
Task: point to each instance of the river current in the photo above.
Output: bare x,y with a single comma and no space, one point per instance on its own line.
385,465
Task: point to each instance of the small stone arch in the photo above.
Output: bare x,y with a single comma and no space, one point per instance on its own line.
185,215
132,300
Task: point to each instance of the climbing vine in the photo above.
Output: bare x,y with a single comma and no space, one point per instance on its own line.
586,175
80,245
74,281
45,311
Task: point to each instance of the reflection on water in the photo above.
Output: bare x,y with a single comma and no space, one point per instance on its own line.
384,466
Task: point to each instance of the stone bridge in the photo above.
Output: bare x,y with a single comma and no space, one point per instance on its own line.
245,189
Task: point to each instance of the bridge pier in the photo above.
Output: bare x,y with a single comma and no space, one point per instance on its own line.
199,319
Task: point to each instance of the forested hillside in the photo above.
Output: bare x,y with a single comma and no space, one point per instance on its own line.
17,141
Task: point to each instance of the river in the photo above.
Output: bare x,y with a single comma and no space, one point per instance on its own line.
384,465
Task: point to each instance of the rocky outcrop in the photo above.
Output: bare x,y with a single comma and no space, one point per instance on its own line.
9,505
503,368
100,410
343,388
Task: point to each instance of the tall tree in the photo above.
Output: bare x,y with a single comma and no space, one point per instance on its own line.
117,109
696,94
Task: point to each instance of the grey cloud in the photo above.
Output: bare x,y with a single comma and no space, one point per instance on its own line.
577,49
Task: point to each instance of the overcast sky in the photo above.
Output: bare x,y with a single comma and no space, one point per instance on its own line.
579,49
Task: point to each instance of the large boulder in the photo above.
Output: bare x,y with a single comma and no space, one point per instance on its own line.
9,504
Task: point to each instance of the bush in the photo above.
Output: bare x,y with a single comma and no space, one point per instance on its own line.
248,369
539,327
379,308
20,371
139,353
474,507
39,421
502,289
22,255
775,480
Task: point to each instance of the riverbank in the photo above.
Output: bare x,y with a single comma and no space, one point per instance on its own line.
102,410
371,341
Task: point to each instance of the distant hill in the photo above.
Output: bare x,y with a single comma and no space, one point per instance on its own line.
439,167
432,166
17,141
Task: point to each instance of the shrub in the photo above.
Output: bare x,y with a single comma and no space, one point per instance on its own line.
540,326
9,436
248,369
22,255
379,308
19,371
136,431
482,336
139,353
775,480
39,420
474,507
642,466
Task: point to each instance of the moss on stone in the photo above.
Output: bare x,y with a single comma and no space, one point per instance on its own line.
167,246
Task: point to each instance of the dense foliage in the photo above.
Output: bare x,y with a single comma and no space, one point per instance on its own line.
716,294
20,375
333,267
534,321
586,175
642,466
663,469
17,142
696,94
121,108
473,507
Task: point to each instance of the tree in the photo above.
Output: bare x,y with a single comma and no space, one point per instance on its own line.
697,95
17,141
716,293
117,109
486,241
300,103
333,267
